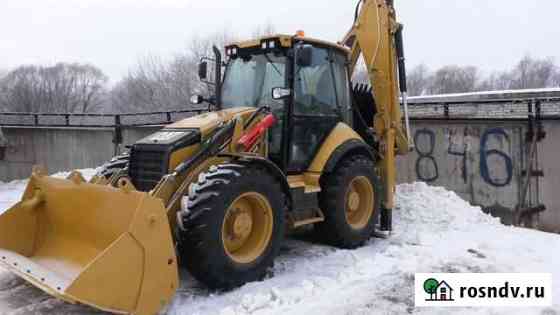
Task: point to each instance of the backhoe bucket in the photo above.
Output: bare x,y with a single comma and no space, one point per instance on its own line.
110,248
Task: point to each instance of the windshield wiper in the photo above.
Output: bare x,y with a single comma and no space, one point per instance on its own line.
269,60
272,63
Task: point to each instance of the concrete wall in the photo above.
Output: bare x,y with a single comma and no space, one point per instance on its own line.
483,162
60,149
549,162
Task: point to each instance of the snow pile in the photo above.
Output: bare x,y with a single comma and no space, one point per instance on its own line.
435,231
435,209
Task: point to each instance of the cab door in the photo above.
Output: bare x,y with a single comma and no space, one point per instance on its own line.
321,100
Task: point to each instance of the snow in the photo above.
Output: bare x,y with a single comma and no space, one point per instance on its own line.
549,97
498,93
435,231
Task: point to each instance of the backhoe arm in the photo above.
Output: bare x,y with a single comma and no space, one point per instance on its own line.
373,36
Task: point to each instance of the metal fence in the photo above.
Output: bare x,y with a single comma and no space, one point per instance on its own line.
95,120
543,104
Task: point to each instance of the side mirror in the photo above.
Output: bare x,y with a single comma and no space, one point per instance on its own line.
279,93
305,56
196,99
203,70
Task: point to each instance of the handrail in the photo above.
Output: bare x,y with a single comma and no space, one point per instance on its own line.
92,120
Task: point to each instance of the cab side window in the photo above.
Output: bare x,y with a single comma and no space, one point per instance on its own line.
316,106
342,85
315,87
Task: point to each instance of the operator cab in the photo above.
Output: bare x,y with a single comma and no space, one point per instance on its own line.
304,81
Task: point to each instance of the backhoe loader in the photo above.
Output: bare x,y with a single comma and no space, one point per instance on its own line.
289,143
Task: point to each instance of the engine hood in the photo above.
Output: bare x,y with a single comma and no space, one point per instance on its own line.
209,121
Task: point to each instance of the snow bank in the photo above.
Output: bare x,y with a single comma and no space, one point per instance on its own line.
435,231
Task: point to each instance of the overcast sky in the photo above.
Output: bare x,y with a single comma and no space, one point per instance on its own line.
113,34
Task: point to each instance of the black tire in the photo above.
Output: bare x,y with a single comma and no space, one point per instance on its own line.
335,230
201,246
115,165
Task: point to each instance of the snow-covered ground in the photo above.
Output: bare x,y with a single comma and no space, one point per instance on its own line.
435,231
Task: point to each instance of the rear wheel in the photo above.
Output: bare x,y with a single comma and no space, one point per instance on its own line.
232,225
351,201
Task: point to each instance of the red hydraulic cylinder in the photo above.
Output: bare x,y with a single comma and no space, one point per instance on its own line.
249,139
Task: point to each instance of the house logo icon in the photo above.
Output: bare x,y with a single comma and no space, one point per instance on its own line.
439,291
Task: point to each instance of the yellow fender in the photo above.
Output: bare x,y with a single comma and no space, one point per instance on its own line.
340,135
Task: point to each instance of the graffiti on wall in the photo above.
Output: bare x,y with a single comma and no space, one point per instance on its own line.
425,155
487,163
491,158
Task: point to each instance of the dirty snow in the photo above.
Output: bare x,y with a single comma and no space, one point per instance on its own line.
436,231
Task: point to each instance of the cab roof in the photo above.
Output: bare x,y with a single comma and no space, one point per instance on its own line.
287,41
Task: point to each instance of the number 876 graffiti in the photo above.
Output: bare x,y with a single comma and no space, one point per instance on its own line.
426,158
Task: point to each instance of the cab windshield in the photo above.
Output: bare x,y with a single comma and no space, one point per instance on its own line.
249,80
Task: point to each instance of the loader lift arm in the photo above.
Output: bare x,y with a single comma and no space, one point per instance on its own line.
377,37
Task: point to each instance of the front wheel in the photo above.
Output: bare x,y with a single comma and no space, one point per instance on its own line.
233,225
115,165
351,200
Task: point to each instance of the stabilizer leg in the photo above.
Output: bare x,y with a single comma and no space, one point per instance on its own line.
386,223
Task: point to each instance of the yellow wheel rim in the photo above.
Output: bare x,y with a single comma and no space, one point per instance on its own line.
359,202
247,227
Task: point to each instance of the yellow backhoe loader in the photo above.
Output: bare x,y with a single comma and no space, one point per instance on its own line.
289,144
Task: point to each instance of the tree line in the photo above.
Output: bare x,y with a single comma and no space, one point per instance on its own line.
528,73
156,83
152,84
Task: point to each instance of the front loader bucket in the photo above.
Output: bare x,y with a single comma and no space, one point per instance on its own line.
110,248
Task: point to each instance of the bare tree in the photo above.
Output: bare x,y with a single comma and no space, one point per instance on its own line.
153,84
157,84
556,78
200,47
418,80
61,88
533,73
497,81
529,73
3,106
87,87
454,79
